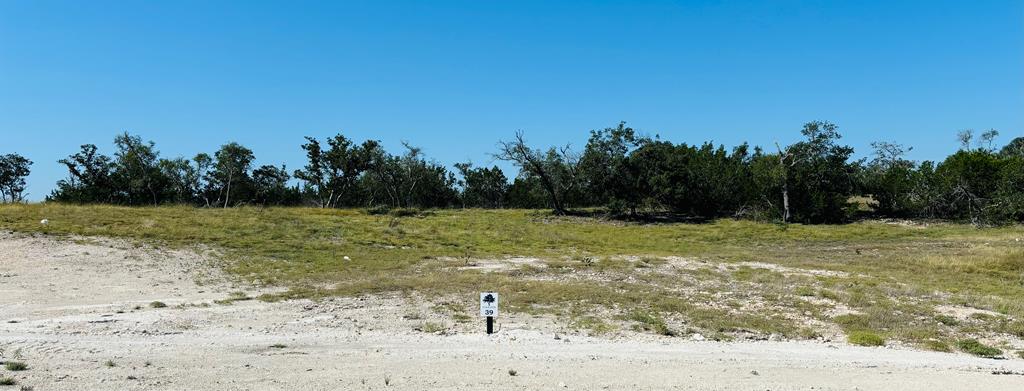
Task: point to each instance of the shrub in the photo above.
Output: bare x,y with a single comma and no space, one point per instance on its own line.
15,366
7,381
431,327
947,320
157,304
938,346
651,322
865,338
804,291
979,349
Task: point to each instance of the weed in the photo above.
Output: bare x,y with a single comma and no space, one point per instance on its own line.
650,322
233,297
15,366
110,364
827,294
512,372
865,338
431,327
804,291
7,381
278,346
157,304
593,324
947,320
977,348
938,346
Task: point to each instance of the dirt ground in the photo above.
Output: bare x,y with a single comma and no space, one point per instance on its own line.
78,312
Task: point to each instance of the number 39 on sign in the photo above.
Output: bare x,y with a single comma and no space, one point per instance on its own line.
488,304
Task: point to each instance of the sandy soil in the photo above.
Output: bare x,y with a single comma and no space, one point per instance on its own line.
68,308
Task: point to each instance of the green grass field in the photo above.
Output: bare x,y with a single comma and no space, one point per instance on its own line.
725,279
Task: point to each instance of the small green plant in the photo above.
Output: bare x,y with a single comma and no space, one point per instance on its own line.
405,212
512,372
593,324
650,322
157,304
110,364
938,346
1015,328
27,388
233,297
278,346
431,327
947,320
865,338
7,381
15,366
387,381
973,346
1020,353
804,291
827,294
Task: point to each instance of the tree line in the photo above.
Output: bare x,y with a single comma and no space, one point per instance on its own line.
625,174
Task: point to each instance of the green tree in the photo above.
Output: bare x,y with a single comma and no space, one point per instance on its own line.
1014,148
482,186
270,185
90,178
408,180
230,173
816,176
893,181
14,168
137,177
330,175
604,175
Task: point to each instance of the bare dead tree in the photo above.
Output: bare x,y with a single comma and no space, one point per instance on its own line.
532,161
787,159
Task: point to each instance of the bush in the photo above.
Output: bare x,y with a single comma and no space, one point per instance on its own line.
157,304
979,349
947,320
15,366
7,381
938,346
650,322
865,338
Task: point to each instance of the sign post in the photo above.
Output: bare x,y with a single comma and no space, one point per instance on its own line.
489,308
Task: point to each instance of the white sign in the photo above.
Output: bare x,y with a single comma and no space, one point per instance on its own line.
488,304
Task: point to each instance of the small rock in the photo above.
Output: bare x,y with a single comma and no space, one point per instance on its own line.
754,373
697,337
563,385
44,221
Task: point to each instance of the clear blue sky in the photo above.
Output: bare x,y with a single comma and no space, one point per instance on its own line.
455,77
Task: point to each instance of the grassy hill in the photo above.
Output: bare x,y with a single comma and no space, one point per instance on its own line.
930,285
